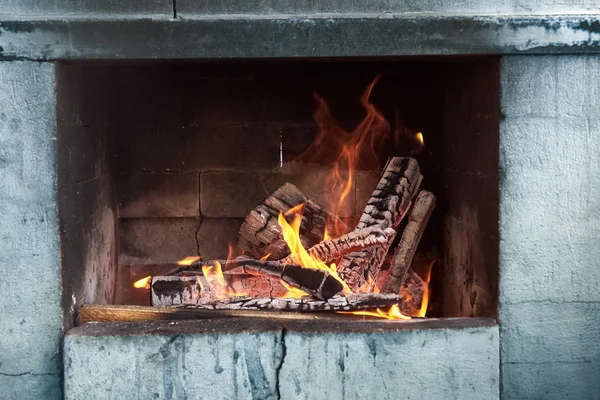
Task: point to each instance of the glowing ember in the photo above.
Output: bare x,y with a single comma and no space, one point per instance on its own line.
392,314
188,260
419,137
143,283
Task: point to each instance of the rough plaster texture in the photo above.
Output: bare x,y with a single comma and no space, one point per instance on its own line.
190,8
42,9
275,363
30,312
550,227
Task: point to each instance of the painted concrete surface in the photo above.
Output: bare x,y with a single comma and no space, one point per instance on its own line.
190,8
42,9
550,227
277,363
240,36
30,314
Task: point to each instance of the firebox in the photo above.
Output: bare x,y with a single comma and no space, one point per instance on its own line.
180,153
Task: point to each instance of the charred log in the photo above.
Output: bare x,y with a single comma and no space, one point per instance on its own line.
417,221
387,206
334,249
260,234
354,301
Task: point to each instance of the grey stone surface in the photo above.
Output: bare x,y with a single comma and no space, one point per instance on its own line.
42,9
30,312
158,195
212,37
550,227
215,235
157,240
271,360
191,8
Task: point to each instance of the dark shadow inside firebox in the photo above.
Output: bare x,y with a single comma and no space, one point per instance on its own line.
163,160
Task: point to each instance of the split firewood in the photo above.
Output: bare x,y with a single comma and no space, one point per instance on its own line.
418,218
354,301
334,249
260,234
387,206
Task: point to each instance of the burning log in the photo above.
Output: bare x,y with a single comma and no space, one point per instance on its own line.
316,282
169,290
260,234
412,293
387,206
417,221
334,249
354,301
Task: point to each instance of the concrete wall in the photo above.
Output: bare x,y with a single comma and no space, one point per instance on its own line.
189,8
43,9
550,227
263,359
30,312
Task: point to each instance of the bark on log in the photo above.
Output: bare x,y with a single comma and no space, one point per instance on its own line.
260,233
418,218
387,206
354,301
412,291
334,249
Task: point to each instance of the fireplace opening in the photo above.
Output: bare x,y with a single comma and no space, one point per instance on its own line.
164,161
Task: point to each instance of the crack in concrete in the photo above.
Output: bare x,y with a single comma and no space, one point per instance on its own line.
30,374
281,361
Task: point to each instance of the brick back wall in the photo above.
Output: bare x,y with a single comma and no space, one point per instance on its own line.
199,145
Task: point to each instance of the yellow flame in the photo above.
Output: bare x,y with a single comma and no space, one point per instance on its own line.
392,314
143,283
265,257
419,137
425,301
188,260
298,254
292,292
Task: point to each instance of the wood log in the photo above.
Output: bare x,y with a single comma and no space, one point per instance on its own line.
318,283
412,291
169,290
125,313
260,234
418,218
353,301
334,249
387,206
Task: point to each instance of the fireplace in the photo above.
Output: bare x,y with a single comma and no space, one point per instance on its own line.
180,153
133,137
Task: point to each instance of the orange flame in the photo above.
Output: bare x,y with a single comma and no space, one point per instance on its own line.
392,314
347,151
298,254
143,283
188,260
425,301
292,292
419,137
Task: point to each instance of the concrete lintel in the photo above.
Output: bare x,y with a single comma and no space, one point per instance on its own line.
301,36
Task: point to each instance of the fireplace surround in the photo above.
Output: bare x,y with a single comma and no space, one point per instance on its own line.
64,125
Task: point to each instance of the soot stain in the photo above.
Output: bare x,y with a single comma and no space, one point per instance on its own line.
259,384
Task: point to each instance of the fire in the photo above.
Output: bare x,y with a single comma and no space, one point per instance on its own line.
425,301
392,314
298,254
215,278
143,283
419,137
347,151
292,292
188,260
